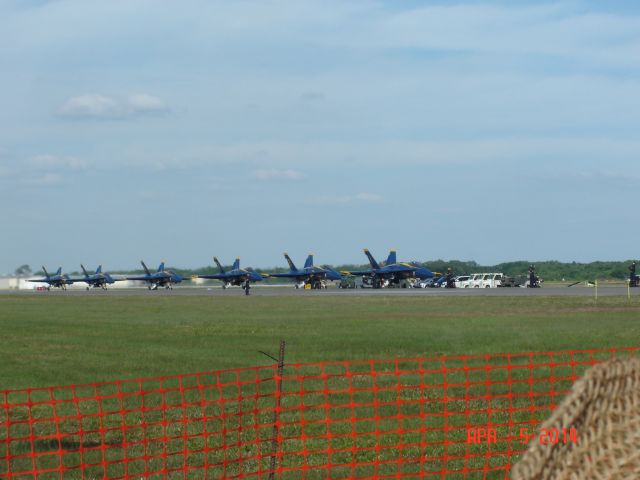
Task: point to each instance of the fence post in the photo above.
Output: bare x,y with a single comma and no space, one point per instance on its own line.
275,443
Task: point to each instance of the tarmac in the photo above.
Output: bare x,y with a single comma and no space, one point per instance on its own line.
289,291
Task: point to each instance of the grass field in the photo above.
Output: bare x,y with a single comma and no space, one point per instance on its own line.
57,340
62,340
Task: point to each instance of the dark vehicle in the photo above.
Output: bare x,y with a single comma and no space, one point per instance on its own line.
513,281
439,282
347,281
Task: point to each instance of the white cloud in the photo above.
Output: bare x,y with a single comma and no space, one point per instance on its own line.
97,106
272,174
145,103
362,197
91,105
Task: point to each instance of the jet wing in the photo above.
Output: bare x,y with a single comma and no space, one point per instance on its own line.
141,278
358,273
217,276
289,275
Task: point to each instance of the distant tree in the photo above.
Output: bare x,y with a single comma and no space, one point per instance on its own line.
23,271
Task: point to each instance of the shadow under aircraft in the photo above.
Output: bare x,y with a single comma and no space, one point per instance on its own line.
392,272
57,280
160,278
99,279
236,276
310,275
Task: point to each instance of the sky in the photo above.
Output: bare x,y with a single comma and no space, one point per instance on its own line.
163,130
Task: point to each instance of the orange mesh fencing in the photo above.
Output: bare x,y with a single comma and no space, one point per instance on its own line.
401,418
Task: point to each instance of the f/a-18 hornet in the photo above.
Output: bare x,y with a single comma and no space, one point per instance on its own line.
310,275
160,278
236,276
57,280
392,272
96,280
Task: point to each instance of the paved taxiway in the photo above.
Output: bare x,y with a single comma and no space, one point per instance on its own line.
269,291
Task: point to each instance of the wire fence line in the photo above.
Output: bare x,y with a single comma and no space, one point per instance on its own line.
399,418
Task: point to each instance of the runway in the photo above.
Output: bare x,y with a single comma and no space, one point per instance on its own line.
290,291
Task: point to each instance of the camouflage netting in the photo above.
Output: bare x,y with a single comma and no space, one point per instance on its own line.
604,409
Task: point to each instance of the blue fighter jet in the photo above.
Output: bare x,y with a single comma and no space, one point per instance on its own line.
58,279
96,280
161,278
392,272
236,276
310,275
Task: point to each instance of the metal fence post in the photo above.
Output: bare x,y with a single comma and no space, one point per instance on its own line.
275,443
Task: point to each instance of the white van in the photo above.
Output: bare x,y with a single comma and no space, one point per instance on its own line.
476,280
492,280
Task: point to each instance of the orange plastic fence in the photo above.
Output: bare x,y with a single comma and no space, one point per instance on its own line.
454,417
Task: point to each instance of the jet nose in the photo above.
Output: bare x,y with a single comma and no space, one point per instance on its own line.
333,275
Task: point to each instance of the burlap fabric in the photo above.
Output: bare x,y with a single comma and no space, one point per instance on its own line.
604,408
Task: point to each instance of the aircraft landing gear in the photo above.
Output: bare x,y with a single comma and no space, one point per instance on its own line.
87,289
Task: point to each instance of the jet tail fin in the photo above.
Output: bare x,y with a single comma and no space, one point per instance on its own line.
391,259
59,271
46,274
99,269
309,262
146,270
161,267
84,270
236,264
372,261
292,267
219,265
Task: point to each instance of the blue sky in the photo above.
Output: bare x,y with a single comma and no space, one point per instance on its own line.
174,131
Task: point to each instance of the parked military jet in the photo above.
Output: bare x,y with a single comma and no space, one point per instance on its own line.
309,274
96,280
58,279
160,278
392,272
236,276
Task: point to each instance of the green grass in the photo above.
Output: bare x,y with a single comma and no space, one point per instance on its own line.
62,340
66,340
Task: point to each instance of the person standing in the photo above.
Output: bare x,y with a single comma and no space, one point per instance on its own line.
450,282
533,281
633,278
246,286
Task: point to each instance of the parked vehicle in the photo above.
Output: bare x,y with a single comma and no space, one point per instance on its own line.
513,281
347,281
476,280
492,280
439,282
424,283
462,281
